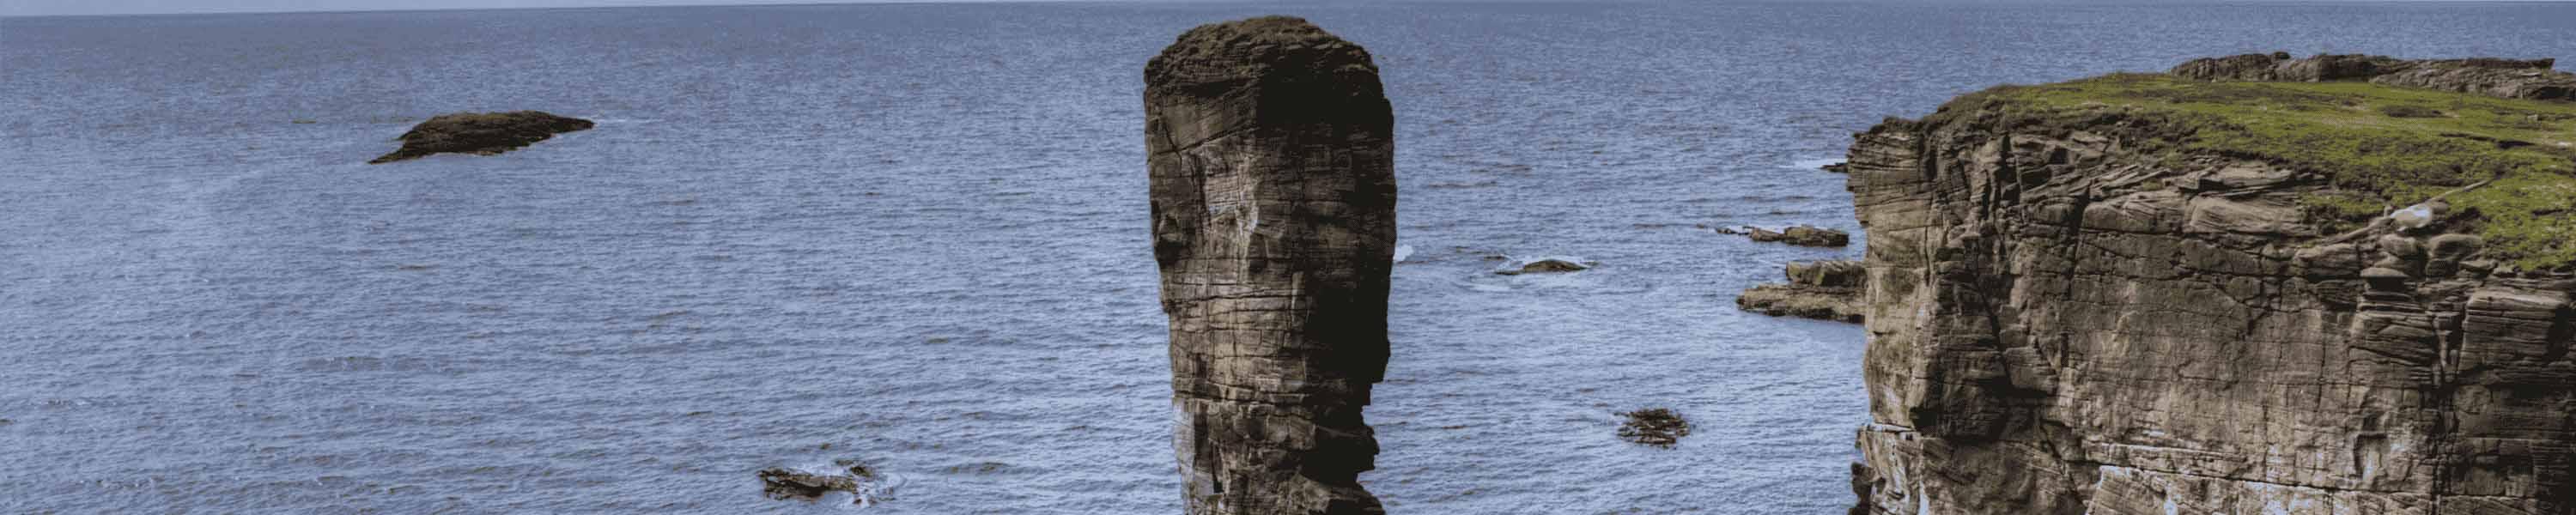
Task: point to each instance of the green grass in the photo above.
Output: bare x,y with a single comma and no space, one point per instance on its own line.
2381,146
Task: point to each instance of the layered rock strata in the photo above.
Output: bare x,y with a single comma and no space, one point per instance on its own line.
1822,290
2532,79
480,133
2072,312
1271,150
1801,235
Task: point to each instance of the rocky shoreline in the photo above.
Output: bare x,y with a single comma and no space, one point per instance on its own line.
2205,291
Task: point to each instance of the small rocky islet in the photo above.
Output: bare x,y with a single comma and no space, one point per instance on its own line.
480,133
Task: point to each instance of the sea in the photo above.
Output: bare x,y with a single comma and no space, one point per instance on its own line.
915,236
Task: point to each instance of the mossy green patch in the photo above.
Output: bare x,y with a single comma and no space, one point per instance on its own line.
2381,146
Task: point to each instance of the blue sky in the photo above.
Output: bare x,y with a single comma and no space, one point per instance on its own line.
59,7
75,7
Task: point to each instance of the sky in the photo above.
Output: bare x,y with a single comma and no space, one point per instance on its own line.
85,7
89,7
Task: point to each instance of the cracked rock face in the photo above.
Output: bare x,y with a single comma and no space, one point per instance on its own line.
1271,147
2061,325
2532,79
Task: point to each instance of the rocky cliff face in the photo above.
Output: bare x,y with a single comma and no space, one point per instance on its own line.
1271,149
2507,78
2105,308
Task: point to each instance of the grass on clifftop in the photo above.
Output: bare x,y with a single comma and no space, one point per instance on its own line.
2383,146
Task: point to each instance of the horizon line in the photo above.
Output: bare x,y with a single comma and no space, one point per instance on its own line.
808,3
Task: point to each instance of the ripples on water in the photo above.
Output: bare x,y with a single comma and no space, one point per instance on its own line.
916,234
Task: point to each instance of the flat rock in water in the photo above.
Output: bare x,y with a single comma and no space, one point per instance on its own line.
1545,266
786,483
480,133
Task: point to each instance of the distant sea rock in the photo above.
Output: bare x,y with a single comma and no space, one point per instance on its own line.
480,133
1544,266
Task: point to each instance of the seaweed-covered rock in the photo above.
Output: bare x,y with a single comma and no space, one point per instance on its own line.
480,133
1659,427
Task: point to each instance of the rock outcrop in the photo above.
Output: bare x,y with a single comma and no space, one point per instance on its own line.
1802,235
480,133
1271,146
1822,290
792,484
1543,266
2074,312
2532,79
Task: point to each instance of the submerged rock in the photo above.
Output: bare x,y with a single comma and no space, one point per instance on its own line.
480,133
1802,235
1658,427
791,484
1544,266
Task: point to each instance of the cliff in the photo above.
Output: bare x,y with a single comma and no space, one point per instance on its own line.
2149,294
1271,149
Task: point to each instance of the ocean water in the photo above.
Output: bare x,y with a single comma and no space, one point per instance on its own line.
915,235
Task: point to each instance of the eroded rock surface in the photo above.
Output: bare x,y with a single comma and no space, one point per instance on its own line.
1802,235
2062,323
2508,78
1822,290
1271,148
480,133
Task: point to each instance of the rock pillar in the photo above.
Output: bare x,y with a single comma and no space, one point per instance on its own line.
1271,146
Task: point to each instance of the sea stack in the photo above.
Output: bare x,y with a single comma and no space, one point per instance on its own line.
1271,148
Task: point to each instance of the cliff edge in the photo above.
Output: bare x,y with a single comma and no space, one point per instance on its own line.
2158,294
1271,149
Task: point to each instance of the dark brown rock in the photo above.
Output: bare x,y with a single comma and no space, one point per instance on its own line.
1802,235
1544,266
792,484
1659,427
1822,290
1271,147
480,133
